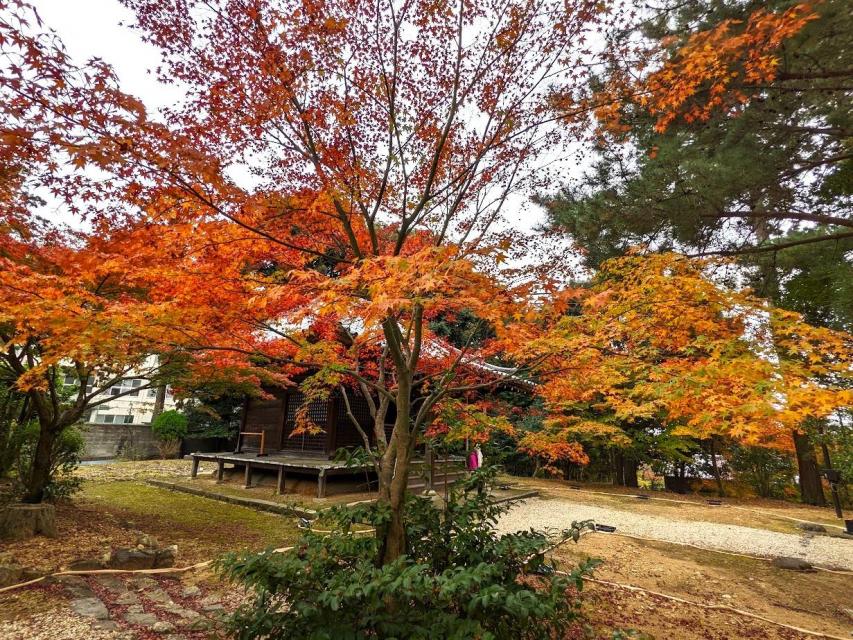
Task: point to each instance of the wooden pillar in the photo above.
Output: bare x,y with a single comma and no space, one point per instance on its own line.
248,476
321,484
430,467
220,470
332,426
242,425
194,471
279,486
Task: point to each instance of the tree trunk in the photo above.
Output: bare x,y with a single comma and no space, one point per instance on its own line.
159,402
630,467
42,462
721,491
811,488
394,478
618,468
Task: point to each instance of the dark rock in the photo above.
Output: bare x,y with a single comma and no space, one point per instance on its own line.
142,582
158,595
132,559
79,589
810,526
166,557
176,610
202,624
792,564
147,542
127,598
190,590
112,584
90,564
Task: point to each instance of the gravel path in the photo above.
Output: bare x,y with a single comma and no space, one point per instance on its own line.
559,513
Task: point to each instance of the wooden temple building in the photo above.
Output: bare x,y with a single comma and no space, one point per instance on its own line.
267,441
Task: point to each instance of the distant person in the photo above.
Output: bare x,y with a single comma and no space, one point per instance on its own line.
475,458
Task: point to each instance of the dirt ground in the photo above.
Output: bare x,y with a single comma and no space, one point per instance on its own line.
815,601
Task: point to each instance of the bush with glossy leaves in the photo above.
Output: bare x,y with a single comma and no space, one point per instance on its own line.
460,579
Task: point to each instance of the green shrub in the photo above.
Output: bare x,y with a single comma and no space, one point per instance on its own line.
170,427
767,471
460,579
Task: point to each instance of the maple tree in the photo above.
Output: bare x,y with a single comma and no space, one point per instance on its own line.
67,321
333,184
379,142
68,300
658,340
695,186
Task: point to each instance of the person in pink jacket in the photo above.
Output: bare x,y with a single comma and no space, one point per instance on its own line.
475,458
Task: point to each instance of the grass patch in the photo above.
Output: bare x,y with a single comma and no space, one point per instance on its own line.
201,524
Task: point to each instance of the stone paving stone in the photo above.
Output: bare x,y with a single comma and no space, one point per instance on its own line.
157,595
90,607
128,597
162,627
112,584
141,619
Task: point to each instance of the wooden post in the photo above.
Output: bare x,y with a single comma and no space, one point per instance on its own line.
331,426
285,401
430,468
194,471
248,476
279,486
242,425
321,484
220,470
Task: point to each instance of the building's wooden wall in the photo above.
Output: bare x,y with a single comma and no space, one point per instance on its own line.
277,419
264,415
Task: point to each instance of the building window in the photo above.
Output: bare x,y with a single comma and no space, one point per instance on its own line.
106,418
128,387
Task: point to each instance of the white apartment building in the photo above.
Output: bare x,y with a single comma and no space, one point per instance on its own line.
136,407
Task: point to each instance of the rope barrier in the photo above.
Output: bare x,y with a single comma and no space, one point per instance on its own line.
87,572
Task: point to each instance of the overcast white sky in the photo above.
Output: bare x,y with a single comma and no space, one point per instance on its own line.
93,28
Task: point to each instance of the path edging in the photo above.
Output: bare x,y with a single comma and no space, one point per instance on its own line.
250,503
